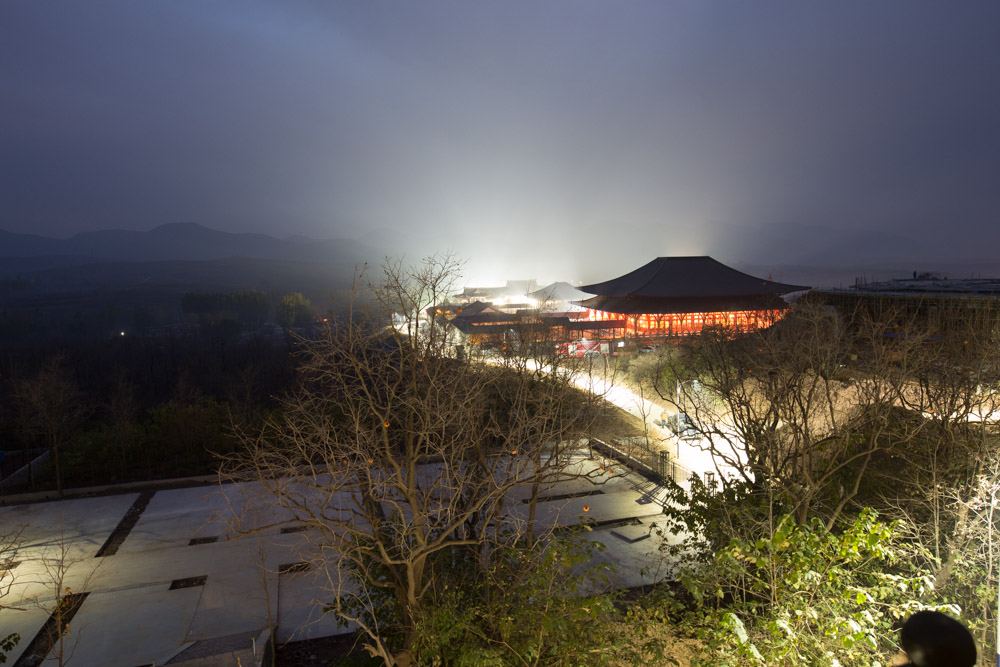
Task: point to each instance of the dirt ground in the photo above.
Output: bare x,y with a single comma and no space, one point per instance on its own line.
345,651
340,650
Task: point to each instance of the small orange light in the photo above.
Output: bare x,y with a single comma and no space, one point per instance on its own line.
611,472
602,467
513,451
586,508
371,460
345,462
385,424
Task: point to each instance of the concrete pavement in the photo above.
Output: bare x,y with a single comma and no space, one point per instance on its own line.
182,583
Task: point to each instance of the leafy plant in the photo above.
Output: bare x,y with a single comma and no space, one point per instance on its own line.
7,645
530,605
802,594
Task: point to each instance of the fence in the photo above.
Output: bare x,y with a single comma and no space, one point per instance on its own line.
639,454
20,467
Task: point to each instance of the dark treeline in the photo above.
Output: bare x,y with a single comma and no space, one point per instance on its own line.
83,316
248,307
28,315
129,408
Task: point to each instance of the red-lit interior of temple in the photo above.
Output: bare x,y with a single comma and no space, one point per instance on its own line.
668,325
599,325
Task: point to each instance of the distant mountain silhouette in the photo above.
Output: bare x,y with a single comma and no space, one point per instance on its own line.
183,241
272,275
27,245
128,268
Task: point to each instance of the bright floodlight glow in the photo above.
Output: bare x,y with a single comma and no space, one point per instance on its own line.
507,300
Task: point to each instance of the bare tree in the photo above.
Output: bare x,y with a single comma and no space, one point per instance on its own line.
795,411
54,565
398,457
10,545
50,408
122,410
545,408
64,606
944,485
953,388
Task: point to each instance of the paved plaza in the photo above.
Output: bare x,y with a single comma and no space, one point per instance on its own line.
183,586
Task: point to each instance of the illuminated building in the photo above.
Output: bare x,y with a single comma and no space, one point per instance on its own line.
668,297
484,324
559,297
514,293
679,296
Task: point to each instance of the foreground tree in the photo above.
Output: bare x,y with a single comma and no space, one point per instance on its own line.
10,545
944,486
795,412
813,423
399,458
50,409
966,571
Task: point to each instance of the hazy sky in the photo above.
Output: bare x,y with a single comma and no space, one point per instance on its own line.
505,128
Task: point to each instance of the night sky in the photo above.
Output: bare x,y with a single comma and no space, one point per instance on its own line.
513,131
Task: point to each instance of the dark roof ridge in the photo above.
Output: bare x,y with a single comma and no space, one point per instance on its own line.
662,259
687,276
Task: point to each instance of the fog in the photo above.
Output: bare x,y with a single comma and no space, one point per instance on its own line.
557,140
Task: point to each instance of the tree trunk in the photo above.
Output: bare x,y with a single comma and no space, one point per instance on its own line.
54,449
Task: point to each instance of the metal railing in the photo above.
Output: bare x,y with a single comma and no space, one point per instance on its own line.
654,463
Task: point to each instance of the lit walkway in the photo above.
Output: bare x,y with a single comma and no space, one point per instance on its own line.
693,455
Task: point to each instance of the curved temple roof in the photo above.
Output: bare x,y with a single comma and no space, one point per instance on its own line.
688,277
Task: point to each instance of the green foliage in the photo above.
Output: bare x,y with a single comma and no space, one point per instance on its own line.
529,605
712,517
510,604
294,310
803,595
7,645
650,368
